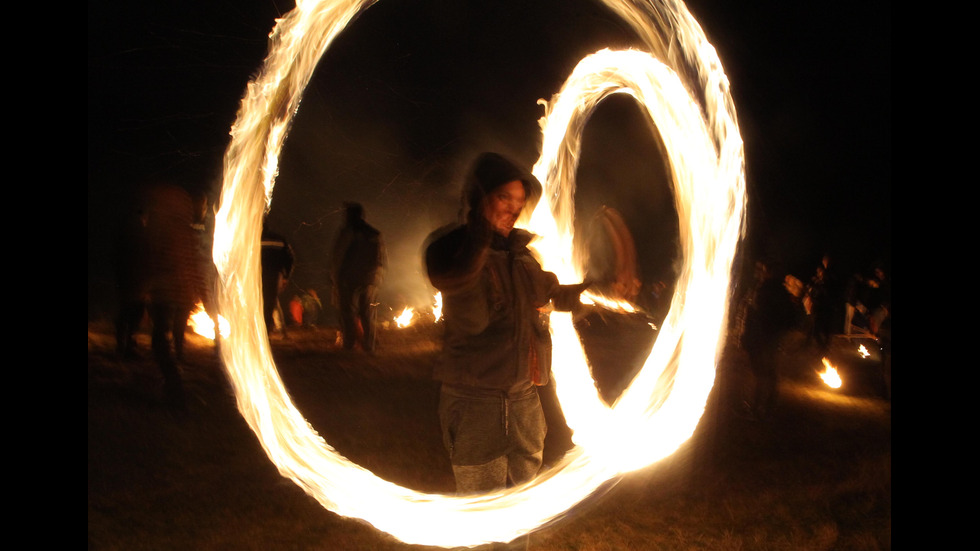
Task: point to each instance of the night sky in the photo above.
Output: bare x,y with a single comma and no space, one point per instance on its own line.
412,90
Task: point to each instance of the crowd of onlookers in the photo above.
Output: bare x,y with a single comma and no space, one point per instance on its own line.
828,303
824,306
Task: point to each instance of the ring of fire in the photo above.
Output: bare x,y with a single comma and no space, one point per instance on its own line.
666,399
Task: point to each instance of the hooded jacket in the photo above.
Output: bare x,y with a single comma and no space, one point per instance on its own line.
497,337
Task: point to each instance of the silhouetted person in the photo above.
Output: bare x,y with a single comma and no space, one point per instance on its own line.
854,309
132,282
175,278
878,299
821,310
357,268
497,345
203,241
747,303
612,266
775,312
827,300
616,343
277,267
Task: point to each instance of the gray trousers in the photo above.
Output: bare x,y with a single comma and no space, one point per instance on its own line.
494,440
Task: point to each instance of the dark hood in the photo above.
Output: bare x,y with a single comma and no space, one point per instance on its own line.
491,170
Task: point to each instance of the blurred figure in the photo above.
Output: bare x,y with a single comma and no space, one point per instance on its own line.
880,321
357,268
747,303
131,278
497,345
818,307
878,299
852,301
311,308
203,241
869,301
615,340
612,257
824,299
277,268
775,311
175,278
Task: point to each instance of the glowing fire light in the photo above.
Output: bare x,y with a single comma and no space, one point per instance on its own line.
203,325
667,398
405,318
437,309
830,375
608,303
863,351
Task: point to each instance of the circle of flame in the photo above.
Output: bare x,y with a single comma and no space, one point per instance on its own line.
665,401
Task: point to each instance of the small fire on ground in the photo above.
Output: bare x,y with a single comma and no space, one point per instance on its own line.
201,323
830,375
405,318
408,315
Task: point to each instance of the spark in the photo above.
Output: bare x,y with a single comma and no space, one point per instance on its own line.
664,402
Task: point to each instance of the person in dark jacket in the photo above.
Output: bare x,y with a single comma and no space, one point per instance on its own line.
357,268
175,280
277,267
775,311
497,343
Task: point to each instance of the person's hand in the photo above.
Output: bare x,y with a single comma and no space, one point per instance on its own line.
567,297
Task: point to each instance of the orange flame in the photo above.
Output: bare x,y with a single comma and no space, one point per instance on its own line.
405,318
830,375
202,324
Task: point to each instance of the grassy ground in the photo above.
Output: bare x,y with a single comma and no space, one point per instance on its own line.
816,476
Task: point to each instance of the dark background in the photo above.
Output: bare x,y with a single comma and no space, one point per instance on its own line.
413,89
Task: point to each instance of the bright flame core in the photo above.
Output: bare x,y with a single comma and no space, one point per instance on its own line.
830,375
667,398
437,307
405,318
202,324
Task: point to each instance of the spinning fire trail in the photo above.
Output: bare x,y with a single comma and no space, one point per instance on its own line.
696,120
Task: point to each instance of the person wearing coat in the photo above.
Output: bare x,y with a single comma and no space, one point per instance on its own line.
497,343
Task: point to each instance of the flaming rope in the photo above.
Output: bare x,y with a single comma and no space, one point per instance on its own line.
665,401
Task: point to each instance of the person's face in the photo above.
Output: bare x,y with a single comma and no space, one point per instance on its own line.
503,205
